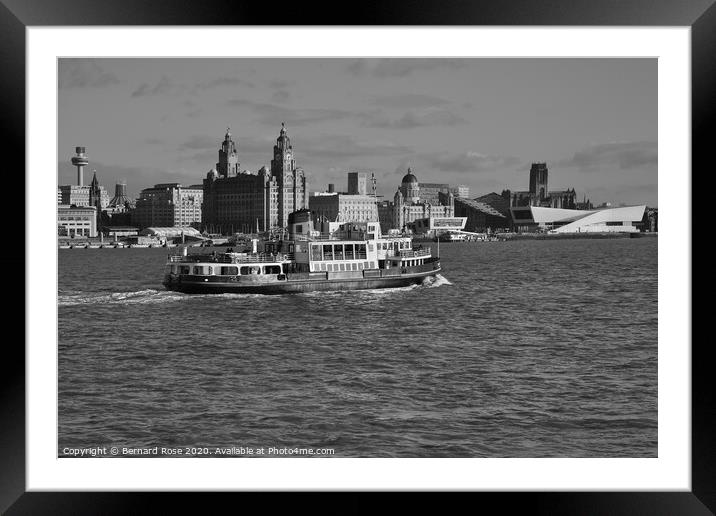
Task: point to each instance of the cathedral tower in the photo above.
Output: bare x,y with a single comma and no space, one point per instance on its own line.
538,180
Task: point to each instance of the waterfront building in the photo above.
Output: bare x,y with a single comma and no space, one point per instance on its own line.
292,186
169,204
76,221
627,219
357,183
481,217
339,207
408,206
496,202
462,191
435,225
539,193
80,195
120,207
245,201
332,206
119,232
385,216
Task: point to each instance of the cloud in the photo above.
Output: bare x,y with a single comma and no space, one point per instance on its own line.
272,114
200,142
412,119
340,146
409,101
281,96
221,81
162,87
382,68
624,155
82,73
469,162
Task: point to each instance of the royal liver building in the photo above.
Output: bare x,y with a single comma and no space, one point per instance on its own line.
243,201
292,187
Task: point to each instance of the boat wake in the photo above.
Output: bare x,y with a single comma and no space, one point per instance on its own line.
152,296
437,281
148,296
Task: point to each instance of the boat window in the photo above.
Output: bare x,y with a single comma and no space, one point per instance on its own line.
316,254
354,267
338,252
323,266
209,270
349,251
184,269
175,269
360,251
365,265
360,266
343,266
328,252
197,270
229,271
370,247
272,269
250,270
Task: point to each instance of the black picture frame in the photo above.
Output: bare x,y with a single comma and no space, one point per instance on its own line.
16,15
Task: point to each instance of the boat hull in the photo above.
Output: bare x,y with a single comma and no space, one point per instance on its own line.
198,285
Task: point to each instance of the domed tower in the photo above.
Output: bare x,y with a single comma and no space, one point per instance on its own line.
410,188
292,186
228,157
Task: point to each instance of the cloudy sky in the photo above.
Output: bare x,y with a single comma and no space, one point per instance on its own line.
479,122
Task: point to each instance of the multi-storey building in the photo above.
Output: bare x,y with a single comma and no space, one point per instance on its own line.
539,194
339,207
169,205
74,221
357,183
292,186
409,206
79,195
237,201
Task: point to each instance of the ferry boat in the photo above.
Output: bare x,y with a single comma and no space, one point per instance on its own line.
351,257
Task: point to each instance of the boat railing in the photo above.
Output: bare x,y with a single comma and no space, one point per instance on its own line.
414,253
232,258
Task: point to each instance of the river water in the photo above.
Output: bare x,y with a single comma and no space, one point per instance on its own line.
518,349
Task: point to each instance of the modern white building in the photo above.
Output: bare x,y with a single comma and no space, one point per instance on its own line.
76,221
625,219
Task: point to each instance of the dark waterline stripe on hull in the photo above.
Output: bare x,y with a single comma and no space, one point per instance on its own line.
300,286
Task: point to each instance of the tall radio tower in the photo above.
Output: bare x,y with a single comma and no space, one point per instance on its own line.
80,161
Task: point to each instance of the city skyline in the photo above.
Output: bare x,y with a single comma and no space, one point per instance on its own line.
478,122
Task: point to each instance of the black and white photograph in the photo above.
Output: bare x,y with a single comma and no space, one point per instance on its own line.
428,257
